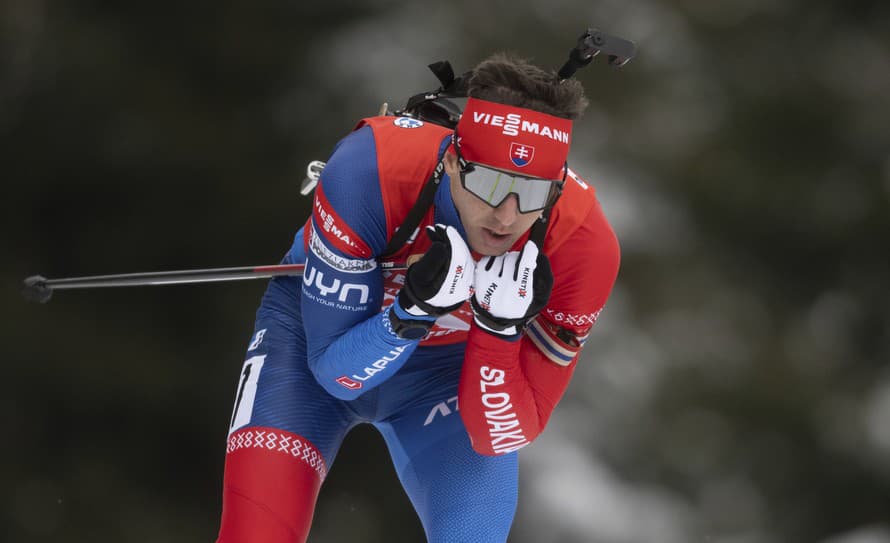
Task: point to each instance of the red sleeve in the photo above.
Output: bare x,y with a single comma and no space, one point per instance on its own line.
508,390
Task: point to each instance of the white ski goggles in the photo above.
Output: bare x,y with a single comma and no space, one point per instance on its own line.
493,186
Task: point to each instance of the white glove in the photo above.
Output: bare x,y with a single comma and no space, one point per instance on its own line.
511,289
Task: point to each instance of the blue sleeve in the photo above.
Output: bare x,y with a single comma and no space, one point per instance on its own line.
351,346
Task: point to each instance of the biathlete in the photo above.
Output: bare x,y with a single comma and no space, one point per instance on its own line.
458,361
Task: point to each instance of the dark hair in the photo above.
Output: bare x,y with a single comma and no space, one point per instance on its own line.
513,81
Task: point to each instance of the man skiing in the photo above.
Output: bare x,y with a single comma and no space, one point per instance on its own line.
458,361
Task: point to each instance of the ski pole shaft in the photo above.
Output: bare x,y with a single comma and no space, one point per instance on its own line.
40,289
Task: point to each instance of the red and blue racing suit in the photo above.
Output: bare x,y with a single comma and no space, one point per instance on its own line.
323,356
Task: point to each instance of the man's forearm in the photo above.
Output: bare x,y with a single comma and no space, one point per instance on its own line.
362,358
503,407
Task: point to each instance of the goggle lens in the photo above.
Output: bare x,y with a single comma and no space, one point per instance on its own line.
494,186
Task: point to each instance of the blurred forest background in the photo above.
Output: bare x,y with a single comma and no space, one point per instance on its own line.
735,390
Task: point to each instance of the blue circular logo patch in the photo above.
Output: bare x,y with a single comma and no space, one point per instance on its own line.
407,122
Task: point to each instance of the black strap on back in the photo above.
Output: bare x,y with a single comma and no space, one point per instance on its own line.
416,213
539,229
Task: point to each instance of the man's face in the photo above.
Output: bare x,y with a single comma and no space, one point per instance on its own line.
490,230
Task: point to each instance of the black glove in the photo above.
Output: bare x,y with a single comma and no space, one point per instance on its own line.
511,289
442,280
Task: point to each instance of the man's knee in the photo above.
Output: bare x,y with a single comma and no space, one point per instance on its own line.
271,483
489,523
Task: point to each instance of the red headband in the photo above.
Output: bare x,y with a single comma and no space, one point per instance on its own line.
513,138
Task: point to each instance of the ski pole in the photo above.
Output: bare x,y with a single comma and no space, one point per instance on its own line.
40,289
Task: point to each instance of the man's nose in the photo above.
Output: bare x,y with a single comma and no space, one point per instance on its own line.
508,211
